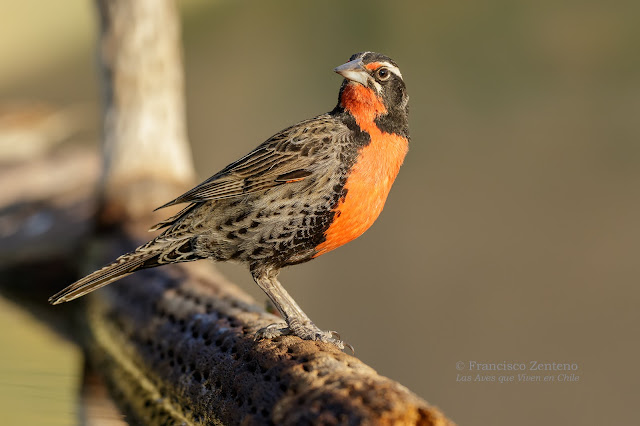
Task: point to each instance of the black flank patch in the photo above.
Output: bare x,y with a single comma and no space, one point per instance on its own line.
242,216
150,263
237,254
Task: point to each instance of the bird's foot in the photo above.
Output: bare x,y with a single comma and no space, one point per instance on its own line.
305,331
273,330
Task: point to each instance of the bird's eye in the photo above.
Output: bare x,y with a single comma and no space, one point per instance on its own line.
383,74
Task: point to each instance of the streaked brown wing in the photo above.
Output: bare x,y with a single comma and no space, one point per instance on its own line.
284,158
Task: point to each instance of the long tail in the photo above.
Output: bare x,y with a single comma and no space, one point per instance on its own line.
147,256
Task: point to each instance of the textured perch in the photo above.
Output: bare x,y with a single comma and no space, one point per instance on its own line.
177,345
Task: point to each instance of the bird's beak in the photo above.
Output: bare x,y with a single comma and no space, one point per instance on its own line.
354,71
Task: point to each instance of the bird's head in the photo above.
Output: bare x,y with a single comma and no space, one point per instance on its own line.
373,87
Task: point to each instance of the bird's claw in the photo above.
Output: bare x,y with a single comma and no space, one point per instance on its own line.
272,330
305,332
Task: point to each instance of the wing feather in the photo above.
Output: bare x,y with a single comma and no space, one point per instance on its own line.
284,155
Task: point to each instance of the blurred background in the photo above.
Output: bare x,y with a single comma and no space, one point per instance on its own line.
512,232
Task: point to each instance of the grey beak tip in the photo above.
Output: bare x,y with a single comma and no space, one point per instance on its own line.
354,65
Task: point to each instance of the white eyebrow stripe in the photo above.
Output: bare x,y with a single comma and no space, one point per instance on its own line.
392,68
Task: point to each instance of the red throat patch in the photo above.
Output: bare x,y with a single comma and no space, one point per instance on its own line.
362,103
371,177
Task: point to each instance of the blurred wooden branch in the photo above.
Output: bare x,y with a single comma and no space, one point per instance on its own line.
47,208
145,149
30,128
174,344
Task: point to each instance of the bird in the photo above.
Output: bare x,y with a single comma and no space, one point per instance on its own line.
305,191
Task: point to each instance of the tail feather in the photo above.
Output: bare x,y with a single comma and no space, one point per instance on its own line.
120,268
155,253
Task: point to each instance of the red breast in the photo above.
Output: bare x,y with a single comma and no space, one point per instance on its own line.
370,179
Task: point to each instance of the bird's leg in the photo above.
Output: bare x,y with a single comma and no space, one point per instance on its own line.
297,322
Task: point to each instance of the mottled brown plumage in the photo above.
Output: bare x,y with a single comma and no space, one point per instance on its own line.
305,191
